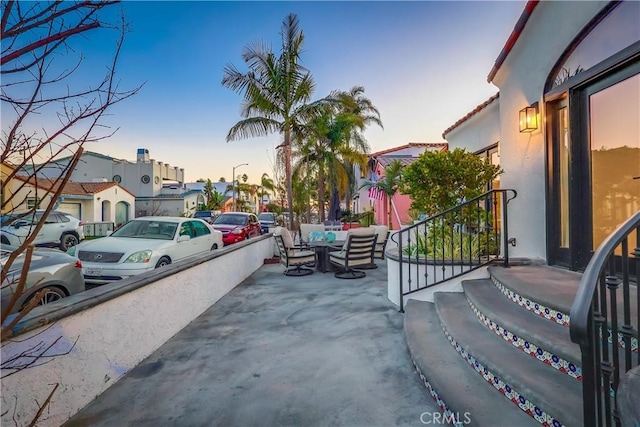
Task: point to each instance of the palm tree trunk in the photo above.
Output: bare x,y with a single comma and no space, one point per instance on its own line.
321,190
390,216
287,173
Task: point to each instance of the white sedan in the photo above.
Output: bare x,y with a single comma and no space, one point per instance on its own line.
144,244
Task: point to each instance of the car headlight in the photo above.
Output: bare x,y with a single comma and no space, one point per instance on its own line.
237,231
71,251
138,257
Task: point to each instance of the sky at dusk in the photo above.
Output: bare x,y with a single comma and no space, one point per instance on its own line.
423,64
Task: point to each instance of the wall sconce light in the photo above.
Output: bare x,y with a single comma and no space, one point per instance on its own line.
529,118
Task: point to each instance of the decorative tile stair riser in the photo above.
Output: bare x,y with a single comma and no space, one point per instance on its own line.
549,313
505,389
529,348
546,312
447,412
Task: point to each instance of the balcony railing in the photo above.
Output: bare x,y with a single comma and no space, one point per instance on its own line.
605,322
454,242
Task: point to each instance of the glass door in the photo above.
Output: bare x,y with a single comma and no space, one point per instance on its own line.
559,241
614,137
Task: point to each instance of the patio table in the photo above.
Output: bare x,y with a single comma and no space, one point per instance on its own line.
322,249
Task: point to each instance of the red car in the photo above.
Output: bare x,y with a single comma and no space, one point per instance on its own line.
237,226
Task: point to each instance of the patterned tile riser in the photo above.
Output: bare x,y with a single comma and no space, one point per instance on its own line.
549,313
505,389
529,348
445,409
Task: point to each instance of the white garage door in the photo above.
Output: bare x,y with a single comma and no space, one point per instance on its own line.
72,209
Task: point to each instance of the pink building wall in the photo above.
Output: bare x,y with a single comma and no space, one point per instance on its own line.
402,203
407,153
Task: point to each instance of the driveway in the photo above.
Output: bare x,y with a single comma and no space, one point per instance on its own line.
277,351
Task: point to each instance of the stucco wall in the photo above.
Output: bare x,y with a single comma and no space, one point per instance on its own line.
479,132
116,326
114,195
521,79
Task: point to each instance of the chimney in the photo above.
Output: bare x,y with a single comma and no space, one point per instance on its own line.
143,155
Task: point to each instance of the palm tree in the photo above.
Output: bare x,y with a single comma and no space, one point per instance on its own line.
388,184
267,184
355,103
334,143
216,202
277,91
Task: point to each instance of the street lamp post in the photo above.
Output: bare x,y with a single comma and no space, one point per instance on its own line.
233,179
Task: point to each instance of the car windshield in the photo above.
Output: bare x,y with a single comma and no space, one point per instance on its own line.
10,218
147,229
231,219
202,214
266,217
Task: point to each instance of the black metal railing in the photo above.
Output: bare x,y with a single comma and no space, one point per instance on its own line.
605,323
454,242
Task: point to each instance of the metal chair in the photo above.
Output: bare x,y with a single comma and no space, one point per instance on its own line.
382,233
292,258
356,252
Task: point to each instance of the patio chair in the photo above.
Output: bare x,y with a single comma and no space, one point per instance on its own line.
356,253
364,231
382,233
293,258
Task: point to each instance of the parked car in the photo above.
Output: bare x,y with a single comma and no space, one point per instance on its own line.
60,229
208,216
55,272
143,244
267,219
237,226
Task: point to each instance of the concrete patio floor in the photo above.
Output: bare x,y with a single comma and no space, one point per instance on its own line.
277,351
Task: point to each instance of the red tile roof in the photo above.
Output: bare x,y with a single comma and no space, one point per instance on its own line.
471,113
513,38
72,188
441,145
385,161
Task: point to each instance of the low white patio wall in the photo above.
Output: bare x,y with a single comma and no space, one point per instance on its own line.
114,327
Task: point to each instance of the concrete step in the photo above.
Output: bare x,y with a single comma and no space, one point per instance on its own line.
550,287
544,340
547,394
452,382
629,398
549,292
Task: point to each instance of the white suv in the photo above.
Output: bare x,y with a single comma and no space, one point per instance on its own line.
60,229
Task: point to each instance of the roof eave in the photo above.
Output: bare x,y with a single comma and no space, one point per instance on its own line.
513,38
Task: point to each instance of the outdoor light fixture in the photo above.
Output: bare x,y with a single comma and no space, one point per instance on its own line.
529,118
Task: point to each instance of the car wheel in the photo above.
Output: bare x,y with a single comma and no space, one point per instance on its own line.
163,261
68,240
50,295
214,247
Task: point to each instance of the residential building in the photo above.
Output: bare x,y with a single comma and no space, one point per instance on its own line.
574,69
157,186
401,203
87,201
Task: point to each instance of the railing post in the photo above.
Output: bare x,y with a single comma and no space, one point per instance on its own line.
399,234
505,227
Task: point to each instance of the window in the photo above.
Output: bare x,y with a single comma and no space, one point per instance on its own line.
33,203
200,228
491,153
617,30
187,229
